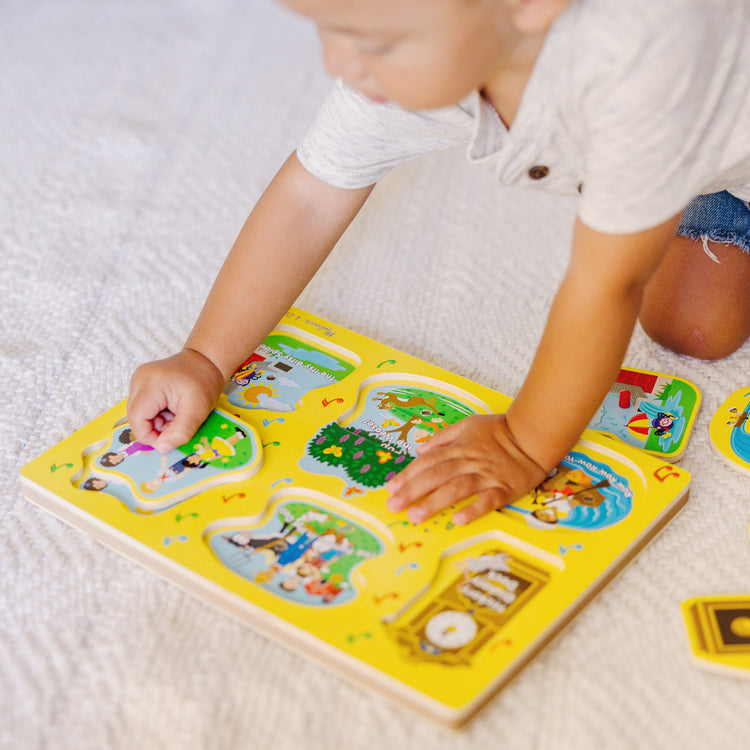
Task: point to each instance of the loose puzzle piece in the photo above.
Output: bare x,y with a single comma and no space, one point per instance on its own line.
729,430
649,410
719,631
275,512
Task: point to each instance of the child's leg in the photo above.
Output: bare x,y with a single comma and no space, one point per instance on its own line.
697,302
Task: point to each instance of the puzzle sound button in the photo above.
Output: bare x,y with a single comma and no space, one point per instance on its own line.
451,629
740,626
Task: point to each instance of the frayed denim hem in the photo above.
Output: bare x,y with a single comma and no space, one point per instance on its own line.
717,217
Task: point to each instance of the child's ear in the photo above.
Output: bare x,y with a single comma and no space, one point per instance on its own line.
533,16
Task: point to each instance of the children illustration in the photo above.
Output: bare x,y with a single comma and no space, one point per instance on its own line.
304,553
172,473
148,481
131,448
640,110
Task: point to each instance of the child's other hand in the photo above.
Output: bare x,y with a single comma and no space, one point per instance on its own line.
477,455
170,398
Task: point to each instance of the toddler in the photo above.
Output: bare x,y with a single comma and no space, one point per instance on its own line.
640,107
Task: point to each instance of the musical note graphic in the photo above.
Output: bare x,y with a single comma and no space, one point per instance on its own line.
407,566
383,597
666,471
563,550
227,498
350,638
169,539
403,547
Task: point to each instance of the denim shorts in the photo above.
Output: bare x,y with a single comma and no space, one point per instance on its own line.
719,217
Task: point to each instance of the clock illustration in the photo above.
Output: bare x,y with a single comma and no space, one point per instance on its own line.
450,629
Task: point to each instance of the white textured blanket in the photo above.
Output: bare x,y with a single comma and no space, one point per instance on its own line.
134,137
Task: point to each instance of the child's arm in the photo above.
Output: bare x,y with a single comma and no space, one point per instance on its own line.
501,457
286,238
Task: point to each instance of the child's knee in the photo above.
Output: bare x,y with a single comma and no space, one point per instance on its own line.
692,335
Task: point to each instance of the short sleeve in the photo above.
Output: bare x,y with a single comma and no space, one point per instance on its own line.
666,117
353,142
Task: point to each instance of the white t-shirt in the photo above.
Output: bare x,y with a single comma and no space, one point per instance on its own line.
639,105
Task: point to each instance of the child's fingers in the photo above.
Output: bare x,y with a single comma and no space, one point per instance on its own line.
440,438
420,478
486,502
184,424
142,411
457,489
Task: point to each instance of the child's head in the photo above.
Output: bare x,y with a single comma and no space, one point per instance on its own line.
423,54
111,459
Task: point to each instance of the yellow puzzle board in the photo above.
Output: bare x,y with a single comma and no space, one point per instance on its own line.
275,513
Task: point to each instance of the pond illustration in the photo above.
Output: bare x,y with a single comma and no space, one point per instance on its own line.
648,411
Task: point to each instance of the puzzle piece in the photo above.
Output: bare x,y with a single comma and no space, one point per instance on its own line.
366,447
649,410
719,632
729,433
223,450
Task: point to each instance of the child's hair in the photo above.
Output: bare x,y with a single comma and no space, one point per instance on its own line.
110,459
126,436
94,484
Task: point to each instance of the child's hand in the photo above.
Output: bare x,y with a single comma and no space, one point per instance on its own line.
170,398
477,455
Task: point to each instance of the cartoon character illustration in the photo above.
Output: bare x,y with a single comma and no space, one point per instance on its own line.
95,484
282,370
663,422
579,493
303,553
729,430
653,412
131,448
740,438
147,482
172,473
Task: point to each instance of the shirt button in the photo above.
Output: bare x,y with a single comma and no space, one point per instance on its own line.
538,172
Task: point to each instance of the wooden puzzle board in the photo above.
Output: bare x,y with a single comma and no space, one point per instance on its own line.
275,513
